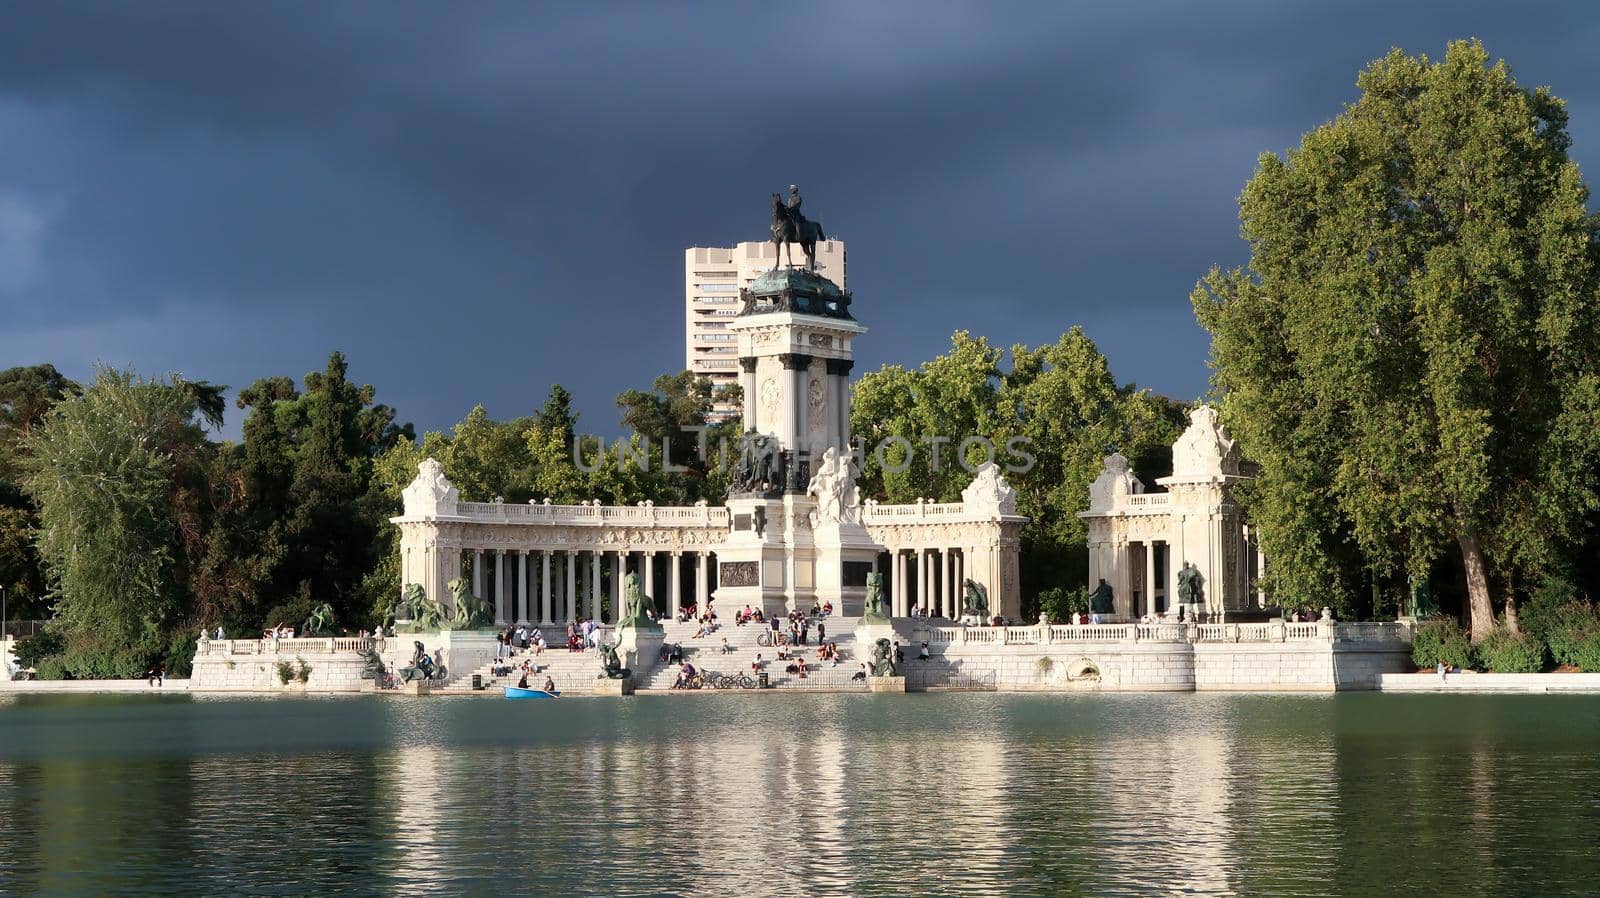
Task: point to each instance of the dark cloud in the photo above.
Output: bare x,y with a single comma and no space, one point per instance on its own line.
475,201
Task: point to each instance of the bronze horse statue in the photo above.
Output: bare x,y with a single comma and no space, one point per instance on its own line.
787,230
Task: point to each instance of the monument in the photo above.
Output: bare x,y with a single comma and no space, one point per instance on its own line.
793,532
797,535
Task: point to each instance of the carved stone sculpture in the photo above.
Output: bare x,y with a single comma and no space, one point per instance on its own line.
426,615
320,621
633,606
422,667
373,668
833,485
472,613
431,493
989,492
976,600
874,613
883,658
1191,588
610,665
1103,599
760,465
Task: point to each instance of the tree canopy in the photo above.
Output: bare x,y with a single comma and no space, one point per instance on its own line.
1052,416
1411,352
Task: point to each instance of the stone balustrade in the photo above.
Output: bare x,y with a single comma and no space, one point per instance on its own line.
591,514
321,645
1173,632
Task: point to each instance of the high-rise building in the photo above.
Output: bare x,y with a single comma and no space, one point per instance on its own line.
712,277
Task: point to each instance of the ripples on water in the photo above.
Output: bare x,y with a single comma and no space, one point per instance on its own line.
801,795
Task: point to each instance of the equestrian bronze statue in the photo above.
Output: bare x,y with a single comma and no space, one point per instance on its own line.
789,226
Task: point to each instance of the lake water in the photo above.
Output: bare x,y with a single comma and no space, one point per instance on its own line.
802,795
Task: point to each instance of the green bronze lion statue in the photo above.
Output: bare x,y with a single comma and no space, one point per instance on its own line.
472,613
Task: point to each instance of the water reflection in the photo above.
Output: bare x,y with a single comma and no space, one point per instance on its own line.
817,795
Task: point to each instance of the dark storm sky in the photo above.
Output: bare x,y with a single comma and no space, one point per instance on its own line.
473,201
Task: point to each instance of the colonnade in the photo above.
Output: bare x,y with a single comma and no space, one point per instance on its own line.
938,575
553,586
1130,568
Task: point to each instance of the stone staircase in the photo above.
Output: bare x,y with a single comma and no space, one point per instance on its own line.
706,655
574,672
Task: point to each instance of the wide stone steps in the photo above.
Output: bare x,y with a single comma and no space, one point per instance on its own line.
572,671
706,654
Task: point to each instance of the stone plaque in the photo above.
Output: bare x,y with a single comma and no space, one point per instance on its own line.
854,573
739,573
741,522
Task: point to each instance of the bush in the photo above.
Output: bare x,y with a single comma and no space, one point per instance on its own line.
1503,651
1565,628
38,647
1442,639
1060,603
179,659
285,672
1586,654
53,668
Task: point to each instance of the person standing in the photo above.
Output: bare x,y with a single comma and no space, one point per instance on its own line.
822,632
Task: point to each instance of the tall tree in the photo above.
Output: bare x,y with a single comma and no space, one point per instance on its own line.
26,394
314,517
1052,417
1411,353
110,471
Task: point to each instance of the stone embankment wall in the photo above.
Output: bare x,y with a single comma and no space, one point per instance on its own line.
1160,657
251,665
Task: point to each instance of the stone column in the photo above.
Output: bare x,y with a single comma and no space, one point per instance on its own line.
675,588
1175,558
945,563
747,382
519,604
619,569
792,412
1150,575
570,585
898,605
702,579
477,574
649,586
544,589
922,577
839,402
594,585
500,588
1261,571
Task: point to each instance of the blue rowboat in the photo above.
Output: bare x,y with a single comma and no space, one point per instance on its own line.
514,692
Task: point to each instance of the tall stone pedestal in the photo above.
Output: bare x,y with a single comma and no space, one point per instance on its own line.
623,686
769,560
844,556
639,648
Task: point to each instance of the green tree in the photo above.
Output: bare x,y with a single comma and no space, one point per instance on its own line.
1052,417
314,524
110,471
671,422
1411,352
26,394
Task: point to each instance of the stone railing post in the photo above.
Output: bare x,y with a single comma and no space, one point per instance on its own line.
1230,632
1278,632
1135,629
1325,625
